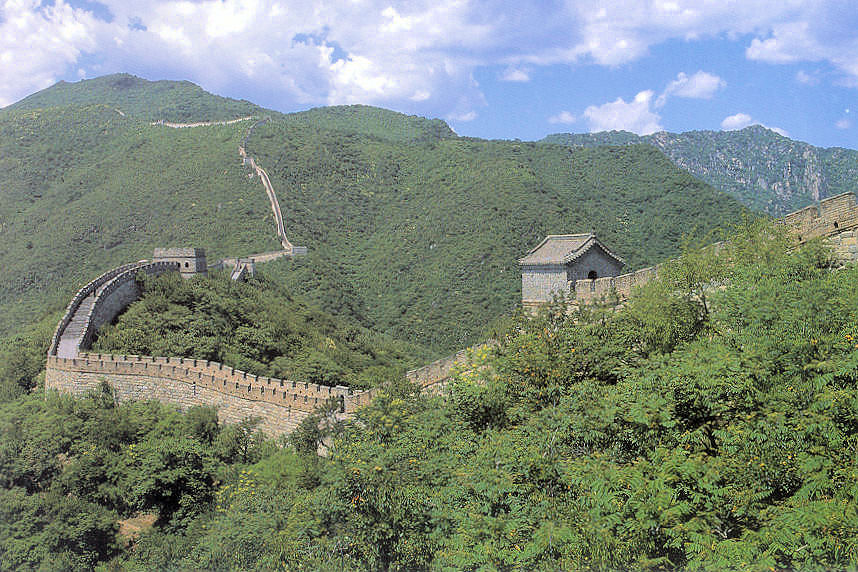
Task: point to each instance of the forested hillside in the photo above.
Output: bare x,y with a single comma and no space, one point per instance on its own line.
412,230
422,240
763,169
681,433
256,326
85,189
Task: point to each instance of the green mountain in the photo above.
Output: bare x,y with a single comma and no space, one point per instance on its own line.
412,230
373,121
766,171
144,100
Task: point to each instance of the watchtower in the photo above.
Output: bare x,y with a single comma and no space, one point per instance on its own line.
192,261
559,261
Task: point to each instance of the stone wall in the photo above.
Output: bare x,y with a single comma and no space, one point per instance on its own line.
587,291
280,404
116,295
542,282
831,216
594,260
79,296
835,218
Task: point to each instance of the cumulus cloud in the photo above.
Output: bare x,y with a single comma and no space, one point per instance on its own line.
420,54
701,85
39,43
737,121
563,117
462,116
805,78
636,116
742,120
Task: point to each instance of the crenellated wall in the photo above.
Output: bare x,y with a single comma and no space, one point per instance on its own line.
830,217
280,404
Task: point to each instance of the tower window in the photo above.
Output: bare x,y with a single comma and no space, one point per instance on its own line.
187,264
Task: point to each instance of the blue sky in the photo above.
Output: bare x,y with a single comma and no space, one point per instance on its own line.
493,69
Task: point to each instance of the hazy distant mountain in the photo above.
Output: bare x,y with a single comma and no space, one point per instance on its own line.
764,170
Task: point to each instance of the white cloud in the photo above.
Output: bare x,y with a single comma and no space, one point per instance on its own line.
420,54
805,78
636,116
742,120
515,74
563,117
701,85
39,43
463,117
843,123
737,121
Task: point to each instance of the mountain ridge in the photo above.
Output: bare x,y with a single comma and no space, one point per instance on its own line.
762,168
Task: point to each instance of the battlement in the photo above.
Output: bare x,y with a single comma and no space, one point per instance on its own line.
191,261
831,216
835,218
280,404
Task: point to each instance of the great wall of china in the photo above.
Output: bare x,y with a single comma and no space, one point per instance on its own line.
281,404
835,218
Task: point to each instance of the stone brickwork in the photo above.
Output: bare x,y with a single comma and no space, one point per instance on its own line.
540,283
552,267
280,404
832,216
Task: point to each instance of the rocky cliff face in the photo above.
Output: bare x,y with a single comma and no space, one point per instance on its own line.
764,170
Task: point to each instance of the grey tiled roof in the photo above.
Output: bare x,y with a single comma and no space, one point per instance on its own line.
564,248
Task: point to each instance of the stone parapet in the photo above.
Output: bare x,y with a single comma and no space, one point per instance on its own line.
830,217
82,294
280,404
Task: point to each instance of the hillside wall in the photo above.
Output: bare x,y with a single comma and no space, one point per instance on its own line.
280,404
116,294
835,218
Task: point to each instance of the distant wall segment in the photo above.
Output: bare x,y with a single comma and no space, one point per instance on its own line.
835,218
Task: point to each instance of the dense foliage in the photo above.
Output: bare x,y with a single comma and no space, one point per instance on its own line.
373,121
411,229
255,326
763,169
710,424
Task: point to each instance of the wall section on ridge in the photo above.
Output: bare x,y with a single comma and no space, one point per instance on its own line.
279,404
